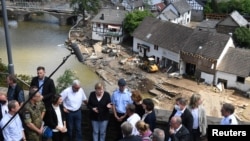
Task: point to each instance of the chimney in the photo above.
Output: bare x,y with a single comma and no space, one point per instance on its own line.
102,17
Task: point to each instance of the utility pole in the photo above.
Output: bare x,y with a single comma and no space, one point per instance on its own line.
7,38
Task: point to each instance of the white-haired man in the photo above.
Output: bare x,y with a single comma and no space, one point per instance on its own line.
73,97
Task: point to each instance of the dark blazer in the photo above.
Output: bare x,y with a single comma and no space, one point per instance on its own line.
186,117
131,138
101,106
181,135
150,119
50,118
187,121
48,89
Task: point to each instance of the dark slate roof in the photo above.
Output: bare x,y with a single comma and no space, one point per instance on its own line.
111,16
200,2
169,15
207,44
234,19
181,6
236,61
209,23
162,33
137,3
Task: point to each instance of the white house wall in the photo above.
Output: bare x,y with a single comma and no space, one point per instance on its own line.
99,32
228,45
183,19
207,77
231,81
161,52
96,32
152,2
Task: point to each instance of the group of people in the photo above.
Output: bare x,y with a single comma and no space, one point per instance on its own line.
61,113
188,121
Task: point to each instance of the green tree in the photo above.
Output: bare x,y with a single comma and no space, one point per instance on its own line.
133,19
65,80
82,6
4,72
207,8
242,37
246,6
214,6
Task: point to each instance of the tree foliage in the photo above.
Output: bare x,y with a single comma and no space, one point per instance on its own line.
207,8
82,6
225,7
133,19
65,80
242,37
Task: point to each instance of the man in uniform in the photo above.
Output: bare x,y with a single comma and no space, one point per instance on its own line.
33,114
120,98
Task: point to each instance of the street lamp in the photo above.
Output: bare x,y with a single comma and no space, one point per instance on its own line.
7,39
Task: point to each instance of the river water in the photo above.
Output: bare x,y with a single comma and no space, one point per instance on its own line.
41,42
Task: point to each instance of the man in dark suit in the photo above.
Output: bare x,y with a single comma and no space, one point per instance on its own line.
180,109
48,89
177,131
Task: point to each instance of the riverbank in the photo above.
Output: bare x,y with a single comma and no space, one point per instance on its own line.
112,62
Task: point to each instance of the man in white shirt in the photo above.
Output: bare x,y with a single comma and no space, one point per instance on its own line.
133,117
73,97
14,130
227,111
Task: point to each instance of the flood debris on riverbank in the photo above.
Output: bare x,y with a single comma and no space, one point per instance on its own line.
112,62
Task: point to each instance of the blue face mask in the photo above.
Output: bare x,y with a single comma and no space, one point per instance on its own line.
177,107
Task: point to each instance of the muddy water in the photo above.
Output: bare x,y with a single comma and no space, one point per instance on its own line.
41,42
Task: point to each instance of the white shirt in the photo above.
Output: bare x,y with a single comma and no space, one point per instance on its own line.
179,112
229,120
133,119
73,100
59,117
14,130
195,113
5,109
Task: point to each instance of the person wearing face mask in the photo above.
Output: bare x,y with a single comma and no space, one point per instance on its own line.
180,109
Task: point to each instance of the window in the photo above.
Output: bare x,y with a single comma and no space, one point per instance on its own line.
138,46
155,47
98,25
240,79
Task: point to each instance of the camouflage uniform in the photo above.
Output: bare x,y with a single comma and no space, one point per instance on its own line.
32,114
